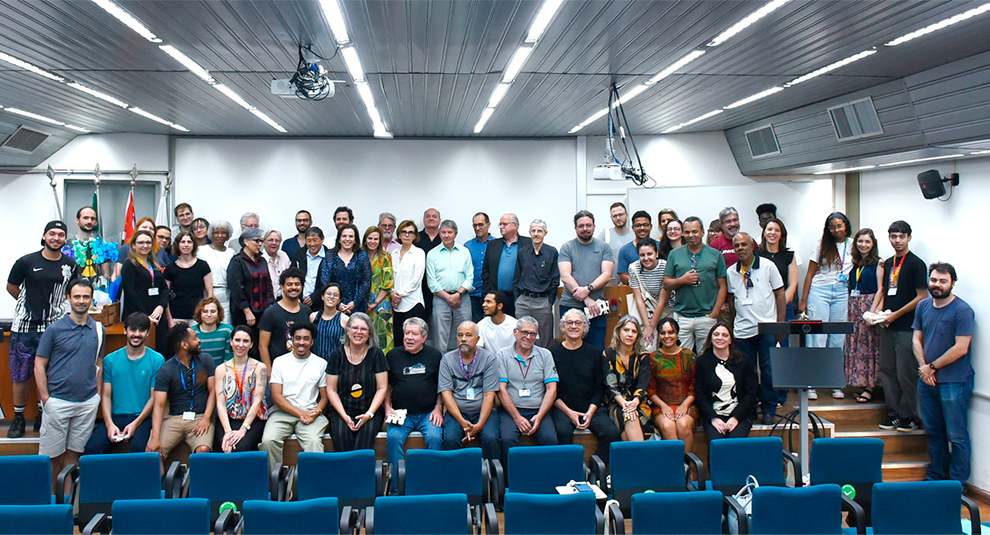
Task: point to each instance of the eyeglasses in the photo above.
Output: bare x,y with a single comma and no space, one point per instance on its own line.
479,225
642,225
303,220
386,225
357,329
528,334
407,232
574,323
258,240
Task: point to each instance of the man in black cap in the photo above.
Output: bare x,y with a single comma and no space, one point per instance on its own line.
38,282
766,212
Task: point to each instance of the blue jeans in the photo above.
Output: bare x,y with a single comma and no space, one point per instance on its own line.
453,434
828,303
546,435
396,435
99,442
757,349
944,411
596,335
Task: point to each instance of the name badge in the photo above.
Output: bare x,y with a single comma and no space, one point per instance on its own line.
746,301
854,293
470,393
152,291
188,416
418,369
524,393
892,290
843,277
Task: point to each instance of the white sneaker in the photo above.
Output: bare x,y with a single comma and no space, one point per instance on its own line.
838,393
812,394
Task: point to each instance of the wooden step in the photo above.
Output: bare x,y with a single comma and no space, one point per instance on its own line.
914,442
851,415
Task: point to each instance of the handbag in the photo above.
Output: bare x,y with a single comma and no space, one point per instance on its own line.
745,494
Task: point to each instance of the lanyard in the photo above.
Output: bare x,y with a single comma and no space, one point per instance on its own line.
896,272
182,375
468,369
842,261
523,368
240,381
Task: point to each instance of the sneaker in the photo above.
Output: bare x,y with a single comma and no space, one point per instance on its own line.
907,425
37,422
890,423
812,394
769,419
837,393
16,429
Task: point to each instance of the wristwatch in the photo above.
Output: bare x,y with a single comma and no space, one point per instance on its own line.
591,287
932,366
246,425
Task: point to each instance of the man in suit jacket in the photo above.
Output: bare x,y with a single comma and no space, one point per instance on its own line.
500,260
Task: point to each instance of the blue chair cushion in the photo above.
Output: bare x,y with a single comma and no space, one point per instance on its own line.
346,475
33,474
162,517
541,469
221,477
550,513
36,519
732,460
829,460
109,477
438,514
684,513
444,472
917,507
811,510
290,518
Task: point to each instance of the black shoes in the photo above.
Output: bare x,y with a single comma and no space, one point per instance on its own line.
907,425
16,429
769,419
890,423
37,422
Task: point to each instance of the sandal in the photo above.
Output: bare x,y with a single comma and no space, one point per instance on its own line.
865,396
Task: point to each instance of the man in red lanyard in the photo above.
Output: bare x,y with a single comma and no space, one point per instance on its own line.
904,286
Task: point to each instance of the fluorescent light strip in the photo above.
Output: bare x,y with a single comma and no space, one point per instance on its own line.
981,152
829,68
674,67
29,67
633,93
748,21
35,116
543,19
335,19
364,91
516,64
498,94
261,115
692,121
233,96
77,128
941,24
98,94
188,63
929,159
755,97
353,63
158,119
847,170
485,115
127,19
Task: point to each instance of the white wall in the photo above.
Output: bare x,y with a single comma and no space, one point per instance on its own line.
945,231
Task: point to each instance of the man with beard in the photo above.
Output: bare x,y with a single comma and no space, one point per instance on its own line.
291,246
273,329
729,218
468,384
386,224
413,372
497,330
943,330
38,282
87,221
343,216
618,236
586,266
185,383
127,396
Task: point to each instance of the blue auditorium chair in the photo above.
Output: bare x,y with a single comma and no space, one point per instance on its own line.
541,469
829,462
921,507
677,513
437,514
186,516
46,519
106,478
657,465
463,471
732,460
802,510
355,478
550,514
33,474
230,477
319,515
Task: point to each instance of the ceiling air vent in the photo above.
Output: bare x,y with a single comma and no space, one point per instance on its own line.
24,140
856,119
762,142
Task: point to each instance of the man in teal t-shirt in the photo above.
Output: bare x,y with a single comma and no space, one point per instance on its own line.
128,383
697,272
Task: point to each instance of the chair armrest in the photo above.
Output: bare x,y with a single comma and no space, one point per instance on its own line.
227,520
742,523
369,521
345,521
491,519
71,473
379,478
792,458
856,518
499,483
400,477
486,480
175,479
693,461
100,523
597,468
617,523
599,521
974,514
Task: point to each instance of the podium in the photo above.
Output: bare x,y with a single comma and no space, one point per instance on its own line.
805,368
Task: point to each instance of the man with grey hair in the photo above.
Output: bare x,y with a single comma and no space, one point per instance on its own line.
536,279
386,224
468,385
450,277
729,218
412,401
586,264
478,246
527,388
582,387
500,260
248,220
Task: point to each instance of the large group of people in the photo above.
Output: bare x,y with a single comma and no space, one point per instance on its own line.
259,338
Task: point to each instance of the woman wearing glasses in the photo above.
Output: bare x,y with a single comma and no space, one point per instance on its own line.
408,266
357,378
248,281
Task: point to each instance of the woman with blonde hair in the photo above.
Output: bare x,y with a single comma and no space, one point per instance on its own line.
382,281
627,379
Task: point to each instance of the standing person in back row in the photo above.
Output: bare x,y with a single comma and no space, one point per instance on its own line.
697,273
536,280
38,282
903,288
586,265
943,330
618,235
450,276
429,238
500,261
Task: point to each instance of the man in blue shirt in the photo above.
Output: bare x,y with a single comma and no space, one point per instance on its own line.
450,276
477,247
943,330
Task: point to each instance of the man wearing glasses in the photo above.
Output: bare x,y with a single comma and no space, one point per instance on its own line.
500,260
527,389
642,227
477,247
386,224
756,294
304,220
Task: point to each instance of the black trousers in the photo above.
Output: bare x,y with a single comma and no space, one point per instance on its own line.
601,426
741,430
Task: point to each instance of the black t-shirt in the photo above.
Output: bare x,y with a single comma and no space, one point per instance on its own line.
413,379
582,381
356,384
781,259
913,274
187,287
277,321
42,283
170,380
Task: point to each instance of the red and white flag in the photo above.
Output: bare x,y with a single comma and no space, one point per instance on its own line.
130,222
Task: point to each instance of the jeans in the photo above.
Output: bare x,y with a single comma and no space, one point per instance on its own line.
445,321
396,436
453,434
944,411
596,335
693,331
546,435
757,349
99,442
828,303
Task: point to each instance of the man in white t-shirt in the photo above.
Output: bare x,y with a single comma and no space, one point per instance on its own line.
618,235
496,329
299,390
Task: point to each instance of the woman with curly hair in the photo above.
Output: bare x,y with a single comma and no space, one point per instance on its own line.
627,379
